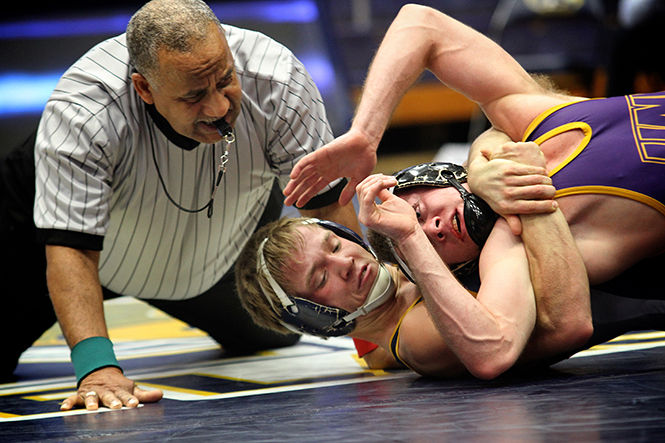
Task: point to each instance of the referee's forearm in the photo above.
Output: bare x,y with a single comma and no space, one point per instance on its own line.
75,292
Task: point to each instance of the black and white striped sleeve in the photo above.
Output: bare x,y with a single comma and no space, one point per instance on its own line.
299,124
73,176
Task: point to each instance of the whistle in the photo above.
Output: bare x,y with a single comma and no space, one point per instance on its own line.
223,127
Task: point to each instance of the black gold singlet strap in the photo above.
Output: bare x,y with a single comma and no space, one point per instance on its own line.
394,341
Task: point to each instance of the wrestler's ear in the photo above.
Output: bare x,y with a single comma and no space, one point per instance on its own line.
142,86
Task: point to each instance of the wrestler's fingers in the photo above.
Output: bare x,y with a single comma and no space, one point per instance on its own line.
128,399
384,194
533,192
514,223
382,183
518,169
486,152
369,187
527,180
526,207
365,197
378,179
518,151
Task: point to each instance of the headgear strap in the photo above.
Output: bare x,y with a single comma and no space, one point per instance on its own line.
479,218
300,315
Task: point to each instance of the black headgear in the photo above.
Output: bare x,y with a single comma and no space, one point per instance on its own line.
305,316
479,218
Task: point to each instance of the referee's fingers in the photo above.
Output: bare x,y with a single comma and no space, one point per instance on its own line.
71,401
91,400
147,396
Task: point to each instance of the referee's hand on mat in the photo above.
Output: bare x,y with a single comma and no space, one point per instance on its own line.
109,387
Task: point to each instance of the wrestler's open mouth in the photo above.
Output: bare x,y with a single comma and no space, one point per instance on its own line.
457,226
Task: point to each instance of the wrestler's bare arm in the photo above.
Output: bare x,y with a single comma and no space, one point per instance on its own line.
501,170
421,38
487,333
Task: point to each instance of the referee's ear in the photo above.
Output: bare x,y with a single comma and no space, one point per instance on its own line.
142,86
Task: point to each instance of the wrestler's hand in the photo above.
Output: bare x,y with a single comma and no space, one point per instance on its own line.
527,153
511,187
393,217
351,155
109,387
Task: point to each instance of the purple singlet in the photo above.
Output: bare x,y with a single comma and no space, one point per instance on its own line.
622,153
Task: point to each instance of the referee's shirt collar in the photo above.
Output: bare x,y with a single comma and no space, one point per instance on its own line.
164,126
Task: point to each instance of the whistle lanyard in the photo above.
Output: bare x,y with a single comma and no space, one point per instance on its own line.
228,138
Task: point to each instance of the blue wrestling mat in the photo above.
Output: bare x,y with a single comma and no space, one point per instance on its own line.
318,390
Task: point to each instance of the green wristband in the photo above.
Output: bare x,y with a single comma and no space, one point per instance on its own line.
91,354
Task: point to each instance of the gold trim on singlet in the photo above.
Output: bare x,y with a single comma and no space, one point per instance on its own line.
542,116
584,127
589,189
609,190
394,339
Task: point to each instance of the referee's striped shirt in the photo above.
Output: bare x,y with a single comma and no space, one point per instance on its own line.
97,186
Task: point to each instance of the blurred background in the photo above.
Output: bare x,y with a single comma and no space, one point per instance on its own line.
590,48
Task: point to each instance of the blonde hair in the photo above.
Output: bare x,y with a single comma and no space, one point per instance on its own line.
283,240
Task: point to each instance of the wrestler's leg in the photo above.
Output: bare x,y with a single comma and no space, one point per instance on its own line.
614,315
633,301
643,280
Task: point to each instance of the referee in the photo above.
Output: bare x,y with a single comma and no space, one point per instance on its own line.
157,156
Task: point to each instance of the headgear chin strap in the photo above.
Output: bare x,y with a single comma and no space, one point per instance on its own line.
305,316
479,218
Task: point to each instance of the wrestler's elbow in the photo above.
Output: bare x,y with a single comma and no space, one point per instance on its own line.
571,333
578,333
494,365
489,370
420,15
576,329
413,12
